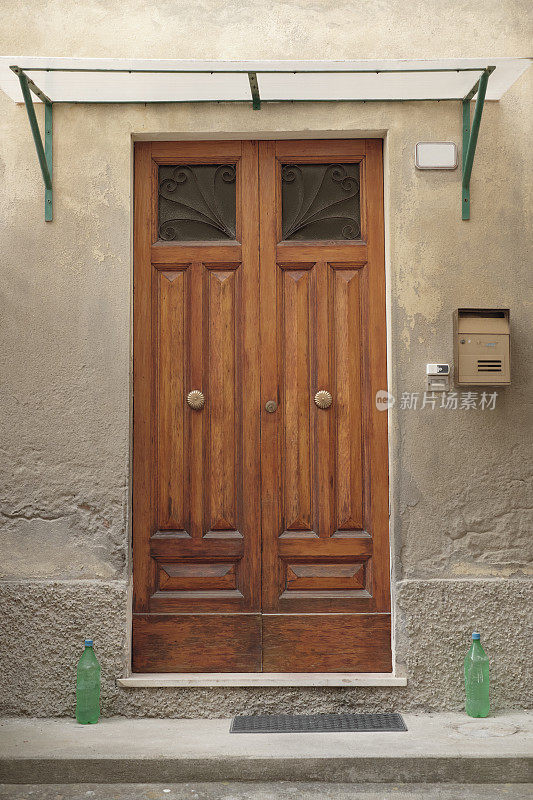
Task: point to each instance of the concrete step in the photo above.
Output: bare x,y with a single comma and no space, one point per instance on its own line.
436,748
281,790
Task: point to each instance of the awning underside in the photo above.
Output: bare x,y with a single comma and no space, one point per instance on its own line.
94,80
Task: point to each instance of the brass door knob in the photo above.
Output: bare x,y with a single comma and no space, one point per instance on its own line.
271,406
196,399
323,399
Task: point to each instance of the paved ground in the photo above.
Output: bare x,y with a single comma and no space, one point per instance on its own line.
268,791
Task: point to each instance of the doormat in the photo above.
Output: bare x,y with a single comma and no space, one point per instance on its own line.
318,723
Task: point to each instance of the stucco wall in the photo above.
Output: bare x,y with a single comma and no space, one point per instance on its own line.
461,490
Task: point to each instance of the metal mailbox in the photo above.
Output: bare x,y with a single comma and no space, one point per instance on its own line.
482,347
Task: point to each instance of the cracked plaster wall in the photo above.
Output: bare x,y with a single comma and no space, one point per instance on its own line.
461,481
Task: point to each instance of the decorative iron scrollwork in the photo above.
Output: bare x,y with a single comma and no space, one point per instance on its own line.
320,201
197,202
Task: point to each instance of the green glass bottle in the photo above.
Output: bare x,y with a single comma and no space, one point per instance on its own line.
477,679
88,686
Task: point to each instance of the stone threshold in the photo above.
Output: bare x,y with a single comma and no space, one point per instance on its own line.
162,680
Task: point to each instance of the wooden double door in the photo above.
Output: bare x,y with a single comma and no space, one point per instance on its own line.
260,470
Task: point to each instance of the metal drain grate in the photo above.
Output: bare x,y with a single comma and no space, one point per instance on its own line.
317,723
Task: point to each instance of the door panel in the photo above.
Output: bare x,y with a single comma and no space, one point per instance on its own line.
196,519
344,643
172,289
324,469
319,329
196,643
237,568
297,473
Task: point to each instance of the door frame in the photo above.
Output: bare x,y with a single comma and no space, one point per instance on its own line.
263,678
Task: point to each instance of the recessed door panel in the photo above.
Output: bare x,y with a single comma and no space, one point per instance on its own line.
225,395
295,287
172,325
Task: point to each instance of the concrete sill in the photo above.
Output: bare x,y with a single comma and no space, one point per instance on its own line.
170,679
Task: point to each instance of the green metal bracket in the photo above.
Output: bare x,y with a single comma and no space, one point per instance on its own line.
48,133
44,153
254,88
470,135
466,139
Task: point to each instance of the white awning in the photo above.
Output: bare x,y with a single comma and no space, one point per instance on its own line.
119,80
99,80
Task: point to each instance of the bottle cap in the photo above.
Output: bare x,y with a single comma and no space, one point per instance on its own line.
476,636
88,642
